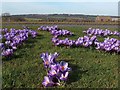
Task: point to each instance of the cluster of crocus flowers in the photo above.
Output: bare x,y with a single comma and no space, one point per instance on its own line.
86,41
100,32
60,32
57,72
48,28
81,41
55,31
13,38
109,44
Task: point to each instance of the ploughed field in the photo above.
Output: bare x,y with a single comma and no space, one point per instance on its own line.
90,67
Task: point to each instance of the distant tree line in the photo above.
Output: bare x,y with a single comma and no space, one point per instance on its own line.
12,19
45,18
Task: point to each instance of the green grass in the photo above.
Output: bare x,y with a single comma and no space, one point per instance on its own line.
32,19
90,68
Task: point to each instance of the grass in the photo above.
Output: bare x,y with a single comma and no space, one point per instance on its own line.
32,19
90,68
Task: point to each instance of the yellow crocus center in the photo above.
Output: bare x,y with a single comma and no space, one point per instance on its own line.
62,67
54,72
47,62
47,82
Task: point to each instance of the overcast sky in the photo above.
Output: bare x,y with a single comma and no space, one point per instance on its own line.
91,7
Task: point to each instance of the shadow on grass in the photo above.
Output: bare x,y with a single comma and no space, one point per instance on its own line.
68,60
75,74
22,49
76,71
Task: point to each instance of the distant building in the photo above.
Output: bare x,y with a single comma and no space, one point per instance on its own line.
103,19
6,17
115,19
5,14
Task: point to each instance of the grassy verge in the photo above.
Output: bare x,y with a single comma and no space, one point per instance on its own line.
90,68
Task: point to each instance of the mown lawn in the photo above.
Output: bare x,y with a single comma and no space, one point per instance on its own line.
90,68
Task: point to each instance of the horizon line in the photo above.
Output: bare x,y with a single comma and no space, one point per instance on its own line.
61,13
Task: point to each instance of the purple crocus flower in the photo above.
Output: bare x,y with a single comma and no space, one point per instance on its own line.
1,46
93,38
53,72
7,52
47,82
63,66
86,44
14,47
64,76
46,60
49,59
7,42
55,66
116,48
107,48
